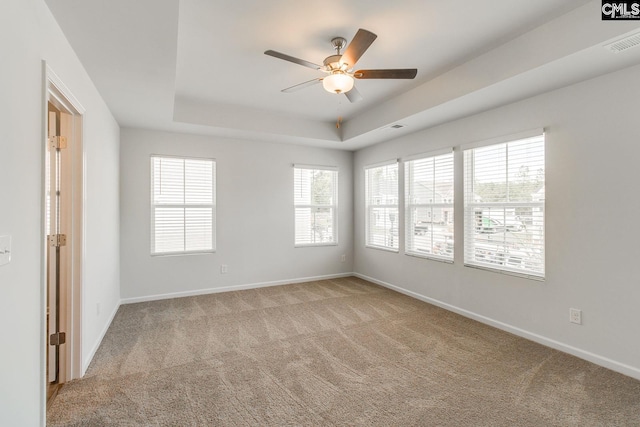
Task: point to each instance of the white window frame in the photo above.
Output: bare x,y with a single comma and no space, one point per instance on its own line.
392,208
154,205
471,206
317,207
447,246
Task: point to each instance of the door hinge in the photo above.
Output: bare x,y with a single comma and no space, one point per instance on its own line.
57,240
57,142
58,338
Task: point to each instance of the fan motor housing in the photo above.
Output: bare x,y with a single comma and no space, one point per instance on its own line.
333,63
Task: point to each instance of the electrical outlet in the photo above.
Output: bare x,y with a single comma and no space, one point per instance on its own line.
343,258
575,316
224,269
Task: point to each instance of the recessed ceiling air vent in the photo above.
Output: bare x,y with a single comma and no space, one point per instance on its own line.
624,44
396,126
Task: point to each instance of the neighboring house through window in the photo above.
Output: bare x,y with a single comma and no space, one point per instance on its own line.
381,194
504,186
429,206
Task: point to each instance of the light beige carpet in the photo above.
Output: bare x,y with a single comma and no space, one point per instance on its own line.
331,353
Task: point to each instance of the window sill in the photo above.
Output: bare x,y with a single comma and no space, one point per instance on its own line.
382,248
507,272
164,254
316,245
429,257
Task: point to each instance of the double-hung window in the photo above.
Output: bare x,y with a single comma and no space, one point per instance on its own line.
504,187
315,197
182,205
429,206
381,192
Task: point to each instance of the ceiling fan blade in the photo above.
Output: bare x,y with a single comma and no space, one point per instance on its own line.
353,95
292,59
398,73
301,85
360,43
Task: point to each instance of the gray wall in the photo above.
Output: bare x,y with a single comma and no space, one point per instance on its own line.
592,206
255,226
29,34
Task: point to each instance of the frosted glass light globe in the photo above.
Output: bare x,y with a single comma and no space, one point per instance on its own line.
338,83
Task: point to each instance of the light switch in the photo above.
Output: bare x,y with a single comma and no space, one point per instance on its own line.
5,250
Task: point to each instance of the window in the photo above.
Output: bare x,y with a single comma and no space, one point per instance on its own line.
429,206
315,202
182,205
382,206
504,206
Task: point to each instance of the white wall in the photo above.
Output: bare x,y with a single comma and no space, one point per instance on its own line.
592,206
255,227
29,34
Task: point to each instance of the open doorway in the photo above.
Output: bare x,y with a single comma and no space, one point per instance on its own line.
63,235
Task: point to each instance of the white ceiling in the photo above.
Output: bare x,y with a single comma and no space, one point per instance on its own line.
198,65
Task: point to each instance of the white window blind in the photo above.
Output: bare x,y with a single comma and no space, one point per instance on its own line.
381,194
429,207
504,206
315,203
182,205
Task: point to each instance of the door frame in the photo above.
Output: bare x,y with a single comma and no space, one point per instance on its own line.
56,92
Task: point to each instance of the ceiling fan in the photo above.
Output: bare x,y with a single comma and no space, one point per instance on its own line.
340,67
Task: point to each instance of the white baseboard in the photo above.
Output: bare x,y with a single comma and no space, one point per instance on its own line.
87,360
582,354
231,288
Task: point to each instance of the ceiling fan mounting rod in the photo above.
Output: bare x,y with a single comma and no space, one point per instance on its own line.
332,63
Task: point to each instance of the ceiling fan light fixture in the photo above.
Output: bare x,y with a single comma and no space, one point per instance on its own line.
338,83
